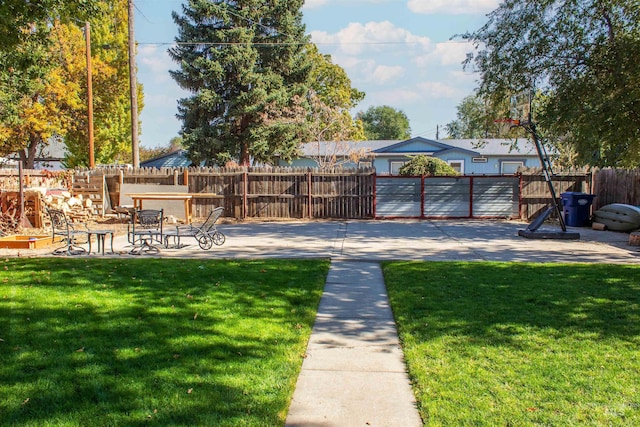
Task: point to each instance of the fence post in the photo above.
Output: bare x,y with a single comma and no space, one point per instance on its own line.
422,198
245,189
309,195
471,182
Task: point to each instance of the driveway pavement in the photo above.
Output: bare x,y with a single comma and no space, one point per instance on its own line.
397,240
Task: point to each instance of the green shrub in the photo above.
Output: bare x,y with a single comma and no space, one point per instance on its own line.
428,166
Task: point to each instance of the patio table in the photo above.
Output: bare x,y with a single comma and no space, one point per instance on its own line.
100,239
138,199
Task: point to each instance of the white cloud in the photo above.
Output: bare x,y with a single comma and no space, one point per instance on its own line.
451,53
437,90
452,7
152,57
446,53
356,38
155,62
312,4
385,73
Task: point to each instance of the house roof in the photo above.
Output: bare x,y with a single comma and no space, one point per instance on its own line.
419,145
174,159
495,147
323,148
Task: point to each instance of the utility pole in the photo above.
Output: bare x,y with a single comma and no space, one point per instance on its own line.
87,37
133,86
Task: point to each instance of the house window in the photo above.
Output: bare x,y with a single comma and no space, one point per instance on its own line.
507,168
394,167
457,165
364,164
479,160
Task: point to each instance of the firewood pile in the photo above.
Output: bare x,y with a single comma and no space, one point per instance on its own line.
9,219
76,207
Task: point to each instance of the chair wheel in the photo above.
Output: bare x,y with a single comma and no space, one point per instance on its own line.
218,238
205,242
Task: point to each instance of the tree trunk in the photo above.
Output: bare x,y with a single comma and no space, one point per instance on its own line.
28,155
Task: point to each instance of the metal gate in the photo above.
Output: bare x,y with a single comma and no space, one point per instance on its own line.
448,197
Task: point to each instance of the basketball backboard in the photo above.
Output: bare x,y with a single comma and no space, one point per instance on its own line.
520,106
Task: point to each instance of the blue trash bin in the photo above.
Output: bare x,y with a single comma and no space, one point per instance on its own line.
576,208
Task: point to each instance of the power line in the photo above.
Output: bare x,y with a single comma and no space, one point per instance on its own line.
283,43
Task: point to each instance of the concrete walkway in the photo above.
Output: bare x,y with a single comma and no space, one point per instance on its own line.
354,372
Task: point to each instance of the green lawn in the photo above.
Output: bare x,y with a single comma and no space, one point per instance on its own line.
518,344
153,341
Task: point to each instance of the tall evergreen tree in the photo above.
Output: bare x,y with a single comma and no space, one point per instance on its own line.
241,60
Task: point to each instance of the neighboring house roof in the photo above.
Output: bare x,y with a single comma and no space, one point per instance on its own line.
48,156
495,147
323,148
419,145
174,159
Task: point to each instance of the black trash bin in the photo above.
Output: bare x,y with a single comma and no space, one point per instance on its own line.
576,208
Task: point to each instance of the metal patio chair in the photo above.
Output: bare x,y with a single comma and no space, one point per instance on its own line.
206,233
68,232
145,231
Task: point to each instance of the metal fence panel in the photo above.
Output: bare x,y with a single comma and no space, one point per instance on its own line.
496,196
447,197
398,197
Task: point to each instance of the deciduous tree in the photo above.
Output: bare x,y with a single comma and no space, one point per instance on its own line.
44,99
111,98
385,122
20,19
332,131
476,119
583,56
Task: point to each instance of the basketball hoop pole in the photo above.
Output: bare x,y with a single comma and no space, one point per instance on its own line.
547,170
531,231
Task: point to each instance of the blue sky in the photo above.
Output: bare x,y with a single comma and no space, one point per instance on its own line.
399,52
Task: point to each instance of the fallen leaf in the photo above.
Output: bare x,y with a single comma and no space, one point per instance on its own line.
24,402
189,391
195,316
80,350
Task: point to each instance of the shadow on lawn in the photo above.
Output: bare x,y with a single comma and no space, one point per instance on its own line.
150,340
497,302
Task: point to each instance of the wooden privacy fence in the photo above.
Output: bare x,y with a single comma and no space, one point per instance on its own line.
616,186
534,190
309,193
260,192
